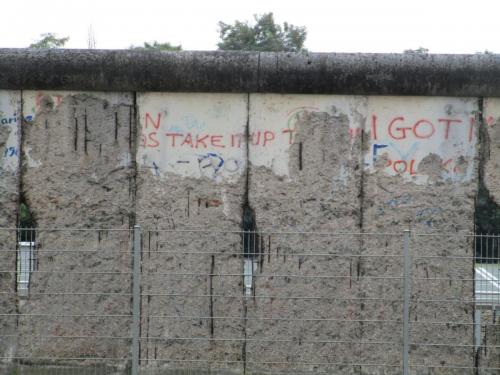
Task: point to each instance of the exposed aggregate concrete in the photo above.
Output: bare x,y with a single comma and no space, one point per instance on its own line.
80,174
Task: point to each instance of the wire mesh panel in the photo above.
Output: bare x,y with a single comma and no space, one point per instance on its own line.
8,329
270,302
191,301
315,308
232,302
445,296
73,302
487,302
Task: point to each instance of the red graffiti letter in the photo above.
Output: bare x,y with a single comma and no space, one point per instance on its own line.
216,140
398,169
402,130
201,140
258,138
156,124
490,121
268,137
412,165
290,131
448,122
188,140
238,137
38,100
153,139
173,135
423,136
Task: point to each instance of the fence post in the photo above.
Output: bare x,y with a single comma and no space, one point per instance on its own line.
406,301
136,298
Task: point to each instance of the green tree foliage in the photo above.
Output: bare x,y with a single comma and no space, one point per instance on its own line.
155,46
26,221
49,40
485,52
25,218
418,51
264,35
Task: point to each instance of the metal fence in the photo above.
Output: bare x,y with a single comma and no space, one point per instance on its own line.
135,301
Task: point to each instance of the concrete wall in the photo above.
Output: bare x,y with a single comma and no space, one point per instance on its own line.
306,162
10,131
77,172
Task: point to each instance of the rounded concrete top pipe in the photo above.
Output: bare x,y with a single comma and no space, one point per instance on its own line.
234,71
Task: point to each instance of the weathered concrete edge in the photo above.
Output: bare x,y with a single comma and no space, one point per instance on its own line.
228,71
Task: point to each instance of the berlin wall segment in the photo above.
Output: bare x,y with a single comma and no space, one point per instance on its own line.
10,109
330,178
188,187
314,163
390,203
76,173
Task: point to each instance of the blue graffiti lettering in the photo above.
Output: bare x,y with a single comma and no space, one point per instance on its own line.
211,160
375,148
156,168
10,151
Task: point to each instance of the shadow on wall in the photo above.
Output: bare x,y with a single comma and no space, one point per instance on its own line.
27,223
487,222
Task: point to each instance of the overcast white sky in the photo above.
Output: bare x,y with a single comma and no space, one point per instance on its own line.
442,26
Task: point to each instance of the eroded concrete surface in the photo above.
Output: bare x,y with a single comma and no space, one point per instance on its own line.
181,167
77,173
10,112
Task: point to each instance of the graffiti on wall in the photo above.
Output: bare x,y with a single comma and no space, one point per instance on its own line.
10,119
402,135
203,135
283,114
35,101
406,134
195,135
415,134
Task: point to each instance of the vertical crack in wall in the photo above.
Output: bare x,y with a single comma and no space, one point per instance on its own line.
133,125
19,162
26,221
249,227
361,199
361,203
19,203
117,125
486,212
75,142
300,156
361,195
86,131
25,217
248,224
481,199
133,145
211,287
